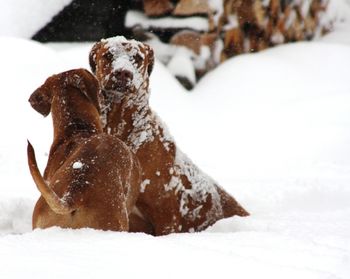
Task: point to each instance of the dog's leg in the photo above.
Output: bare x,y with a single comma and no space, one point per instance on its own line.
139,224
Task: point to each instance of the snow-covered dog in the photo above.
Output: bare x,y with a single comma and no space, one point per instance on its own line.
91,179
175,195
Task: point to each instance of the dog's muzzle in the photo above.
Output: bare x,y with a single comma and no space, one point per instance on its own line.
119,80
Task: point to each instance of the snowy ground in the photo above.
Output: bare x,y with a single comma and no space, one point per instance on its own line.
272,128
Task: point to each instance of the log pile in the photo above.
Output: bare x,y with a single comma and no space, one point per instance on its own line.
208,32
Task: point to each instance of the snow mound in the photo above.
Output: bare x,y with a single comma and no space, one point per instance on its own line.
23,18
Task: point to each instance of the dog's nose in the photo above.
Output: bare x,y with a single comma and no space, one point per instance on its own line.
121,80
124,75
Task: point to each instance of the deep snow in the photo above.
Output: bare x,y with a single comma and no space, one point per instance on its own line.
272,128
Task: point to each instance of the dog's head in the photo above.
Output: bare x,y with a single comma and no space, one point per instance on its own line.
120,64
80,79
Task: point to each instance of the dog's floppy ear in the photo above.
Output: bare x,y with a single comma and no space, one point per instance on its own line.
41,98
92,56
87,84
150,57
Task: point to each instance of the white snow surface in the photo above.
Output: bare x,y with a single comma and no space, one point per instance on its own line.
272,128
23,18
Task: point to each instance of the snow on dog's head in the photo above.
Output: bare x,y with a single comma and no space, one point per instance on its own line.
121,64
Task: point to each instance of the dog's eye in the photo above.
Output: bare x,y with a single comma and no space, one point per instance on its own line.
108,56
138,59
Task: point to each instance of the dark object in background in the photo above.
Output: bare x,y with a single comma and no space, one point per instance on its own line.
217,30
86,21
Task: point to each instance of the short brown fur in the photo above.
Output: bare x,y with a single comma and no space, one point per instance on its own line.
172,199
91,179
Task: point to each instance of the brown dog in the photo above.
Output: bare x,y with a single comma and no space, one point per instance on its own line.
91,179
175,195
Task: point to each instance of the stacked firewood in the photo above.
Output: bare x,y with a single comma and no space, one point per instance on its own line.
200,34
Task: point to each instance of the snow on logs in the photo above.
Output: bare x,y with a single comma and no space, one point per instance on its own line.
207,32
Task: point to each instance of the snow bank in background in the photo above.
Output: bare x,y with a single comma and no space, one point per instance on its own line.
339,10
23,18
277,112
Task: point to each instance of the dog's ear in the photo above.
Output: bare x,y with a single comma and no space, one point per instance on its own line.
92,56
87,84
150,58
41,98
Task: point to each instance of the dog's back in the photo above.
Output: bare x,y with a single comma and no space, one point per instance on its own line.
98,182
92,179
